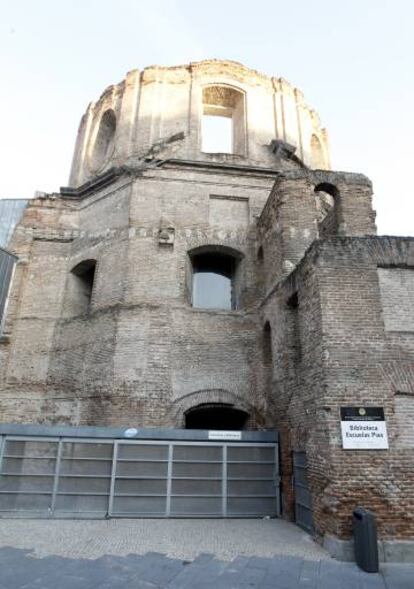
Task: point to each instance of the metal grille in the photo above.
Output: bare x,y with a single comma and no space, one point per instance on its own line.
66,477
303,499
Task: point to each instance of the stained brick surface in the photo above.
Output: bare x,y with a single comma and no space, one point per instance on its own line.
338,299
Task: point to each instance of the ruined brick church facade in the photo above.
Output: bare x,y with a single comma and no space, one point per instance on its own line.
172,283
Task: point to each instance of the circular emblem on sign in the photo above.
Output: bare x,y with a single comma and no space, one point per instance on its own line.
130,432
361,411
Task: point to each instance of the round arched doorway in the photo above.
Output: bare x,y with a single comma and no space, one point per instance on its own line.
220,416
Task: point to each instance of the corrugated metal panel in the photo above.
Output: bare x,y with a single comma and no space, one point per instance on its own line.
11,211
7,262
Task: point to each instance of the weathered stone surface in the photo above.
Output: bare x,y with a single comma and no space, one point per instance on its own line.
138,117
336,299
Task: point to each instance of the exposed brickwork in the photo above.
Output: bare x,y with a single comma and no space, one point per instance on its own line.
141,347
397,298
158,112
325,310
347,357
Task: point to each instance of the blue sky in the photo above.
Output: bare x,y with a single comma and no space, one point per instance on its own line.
353,60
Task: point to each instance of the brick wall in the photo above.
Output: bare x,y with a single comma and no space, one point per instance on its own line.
397,298
348,357
141,349
142,355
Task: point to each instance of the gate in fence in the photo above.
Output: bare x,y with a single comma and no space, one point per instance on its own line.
303,499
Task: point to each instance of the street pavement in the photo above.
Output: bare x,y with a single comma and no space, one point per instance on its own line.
115,554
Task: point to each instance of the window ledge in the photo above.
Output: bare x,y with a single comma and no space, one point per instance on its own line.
231,312
223,155
399,331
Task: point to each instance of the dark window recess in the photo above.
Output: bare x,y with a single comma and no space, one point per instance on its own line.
213,281
294,327
84,275
327,200
267,357
267,345
293,302
215,417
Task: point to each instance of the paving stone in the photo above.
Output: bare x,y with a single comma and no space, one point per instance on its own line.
240,577
398,576
259,562
373,581
25,569
339,575
202,576
309,575
203,558
19,569
283,572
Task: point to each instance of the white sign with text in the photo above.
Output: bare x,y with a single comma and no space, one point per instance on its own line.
224,435
364,435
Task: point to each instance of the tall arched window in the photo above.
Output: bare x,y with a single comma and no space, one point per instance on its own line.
317,154
293,339
104,141
223,128
267,358
215,278
327,203
80,286
267,346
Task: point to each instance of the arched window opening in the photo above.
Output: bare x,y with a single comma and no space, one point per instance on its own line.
82,281
223,121
260,255
214,284
215,416
104,142
293,339
267,346
317,154
267,358
326,199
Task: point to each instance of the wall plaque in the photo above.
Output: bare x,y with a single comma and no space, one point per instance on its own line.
363,428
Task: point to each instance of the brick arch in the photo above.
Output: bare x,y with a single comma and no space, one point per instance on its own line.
216,247
191,400
233,240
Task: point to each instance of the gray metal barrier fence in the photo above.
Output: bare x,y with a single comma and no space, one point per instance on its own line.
81,477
